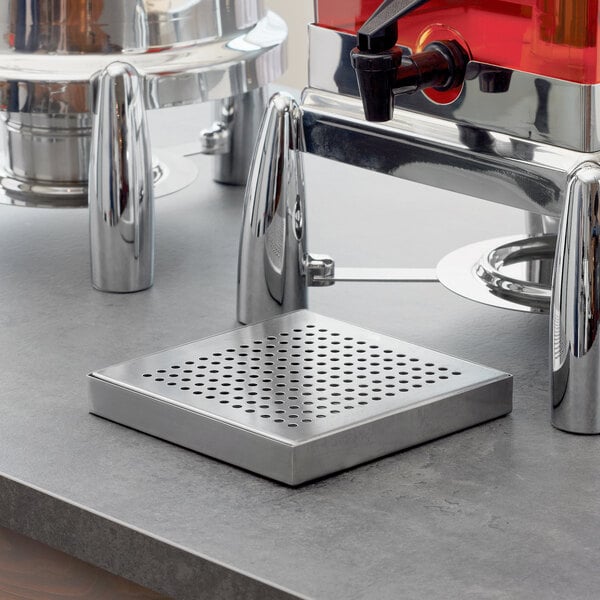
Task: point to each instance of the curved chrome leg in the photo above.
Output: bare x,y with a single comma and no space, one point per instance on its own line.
240,116
575,311
271,269
121,196
540,271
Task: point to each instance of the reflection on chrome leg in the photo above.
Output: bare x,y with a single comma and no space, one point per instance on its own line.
575,312
271,270
241,117
121,196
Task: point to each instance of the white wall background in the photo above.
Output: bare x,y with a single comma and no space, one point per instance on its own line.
297,14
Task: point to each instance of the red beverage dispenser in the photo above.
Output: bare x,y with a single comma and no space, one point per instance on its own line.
554,38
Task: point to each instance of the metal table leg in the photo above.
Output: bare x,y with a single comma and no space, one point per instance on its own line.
240,116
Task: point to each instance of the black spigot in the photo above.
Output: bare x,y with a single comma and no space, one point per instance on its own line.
383,71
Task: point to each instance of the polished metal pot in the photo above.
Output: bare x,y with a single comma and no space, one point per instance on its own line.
187,50
56,54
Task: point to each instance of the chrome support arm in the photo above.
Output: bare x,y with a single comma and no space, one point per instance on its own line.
321,271
375,275
575,311
271,268
120,191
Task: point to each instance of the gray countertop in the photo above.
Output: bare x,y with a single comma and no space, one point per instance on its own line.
509,509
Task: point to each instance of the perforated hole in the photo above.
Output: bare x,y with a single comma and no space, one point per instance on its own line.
295,377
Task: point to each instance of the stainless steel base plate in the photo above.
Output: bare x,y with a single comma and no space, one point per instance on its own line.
299,396
512,272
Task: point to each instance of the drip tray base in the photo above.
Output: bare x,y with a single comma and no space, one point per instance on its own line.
299,396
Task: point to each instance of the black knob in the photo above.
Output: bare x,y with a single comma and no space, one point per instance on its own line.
377,75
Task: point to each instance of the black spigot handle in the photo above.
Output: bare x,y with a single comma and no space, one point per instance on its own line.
380,31
382,71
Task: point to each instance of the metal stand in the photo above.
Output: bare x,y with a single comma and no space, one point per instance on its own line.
498,167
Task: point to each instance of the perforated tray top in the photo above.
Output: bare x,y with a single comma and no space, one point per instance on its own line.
296,379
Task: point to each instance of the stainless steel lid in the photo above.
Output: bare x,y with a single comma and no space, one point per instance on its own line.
188,50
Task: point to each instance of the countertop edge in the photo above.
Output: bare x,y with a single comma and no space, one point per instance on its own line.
125,551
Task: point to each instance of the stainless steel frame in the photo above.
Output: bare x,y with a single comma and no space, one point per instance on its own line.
522,146
519,104
443,153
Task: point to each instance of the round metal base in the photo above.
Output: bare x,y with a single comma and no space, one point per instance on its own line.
37,194
172,173
511,272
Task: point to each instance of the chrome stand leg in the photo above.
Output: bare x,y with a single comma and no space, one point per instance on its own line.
272,274
575,311
241,117
540,271
121,194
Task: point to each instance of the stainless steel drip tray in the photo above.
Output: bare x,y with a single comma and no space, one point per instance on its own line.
299,396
